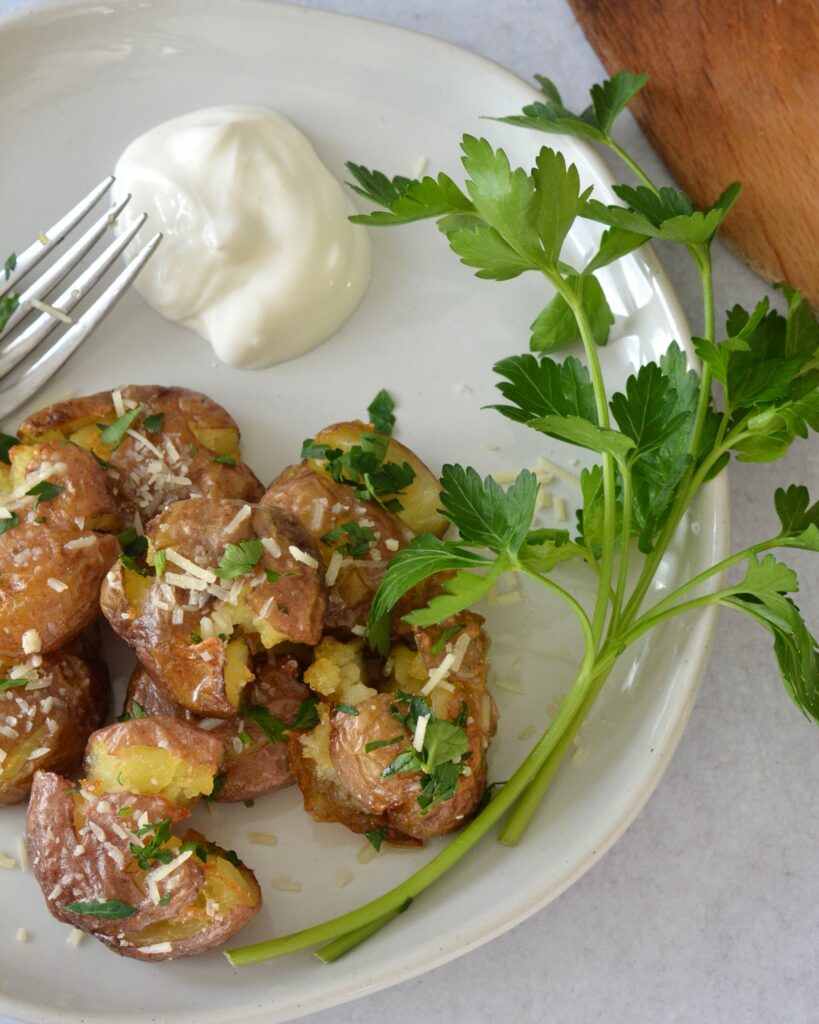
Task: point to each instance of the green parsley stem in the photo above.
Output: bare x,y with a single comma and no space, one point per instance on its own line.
709,333
338,947
632,164
625,550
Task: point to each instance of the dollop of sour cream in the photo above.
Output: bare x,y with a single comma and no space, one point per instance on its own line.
258,255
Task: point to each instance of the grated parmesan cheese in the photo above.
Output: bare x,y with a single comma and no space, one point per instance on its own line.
9,863
239,518
438,675
79,542
31,642
336,561
391,544
57,585
156,948
302,556
271,547
119,405
168,869
459,650
21,935
344,878
75,938
189,566
262,839
22,854
420,733
284,883
560,509
513,597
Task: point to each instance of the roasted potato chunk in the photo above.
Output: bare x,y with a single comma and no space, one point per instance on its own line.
383,755
195,630
181,444
58,521
49,707
356,539
254,763
107,860
419,501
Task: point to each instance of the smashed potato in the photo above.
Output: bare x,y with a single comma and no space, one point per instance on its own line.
234,578
368,761
49,707
254,763
106,857
57,541
180,444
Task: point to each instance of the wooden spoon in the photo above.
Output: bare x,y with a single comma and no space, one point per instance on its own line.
732,94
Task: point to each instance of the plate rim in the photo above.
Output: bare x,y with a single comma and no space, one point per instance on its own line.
703,626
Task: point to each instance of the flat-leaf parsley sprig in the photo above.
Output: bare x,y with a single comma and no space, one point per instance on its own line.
658,442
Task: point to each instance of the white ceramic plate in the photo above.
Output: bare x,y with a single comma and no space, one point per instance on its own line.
77,85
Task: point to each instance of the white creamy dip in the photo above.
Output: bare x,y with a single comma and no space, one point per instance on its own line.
258,255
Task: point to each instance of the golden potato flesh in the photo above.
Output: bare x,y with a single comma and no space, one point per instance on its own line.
194,630
47,712
58,523
254,763
420,500
107,859
181,444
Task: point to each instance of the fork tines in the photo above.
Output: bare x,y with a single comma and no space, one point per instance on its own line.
15,346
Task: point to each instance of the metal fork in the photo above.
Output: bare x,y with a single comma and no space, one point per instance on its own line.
15,345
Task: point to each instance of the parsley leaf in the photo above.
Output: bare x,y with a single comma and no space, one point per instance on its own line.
380,411
9,523
376,838
44,491
153,423
10,265
307,715
225,460
114,910
7,442
273,727
11,684
484,513
539,388
795,512
133,544
359,539
447,634
8,304
363,468
405,199
348,709
153,852
240,559
137,711
555,327
160,563
112,434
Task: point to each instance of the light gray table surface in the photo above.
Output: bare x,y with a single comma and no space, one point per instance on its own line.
706,910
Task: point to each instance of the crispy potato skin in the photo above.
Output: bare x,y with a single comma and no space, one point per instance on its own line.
326,801
292,607
320,505
261,767
75,700
185,413
356,774
33,552
79,844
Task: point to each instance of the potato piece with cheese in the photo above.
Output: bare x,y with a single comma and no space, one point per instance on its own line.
107,859
49,706
58,522
224,579
179,444
255,744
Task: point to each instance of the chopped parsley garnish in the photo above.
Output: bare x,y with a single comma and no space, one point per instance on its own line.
440,759
244,736
39,520
8,304
218,784
446,635
196,638
363,468
10,265
240,558
378,744
9,524
307,716
231,857
111,434
133,544
347,709
283,608
225,460
153,851
153,423
376,838
114,910
137,711
249,803
7,442
166,899
160,563
129,563
101,462
359,539
272,726
271,576
123,812
197,849
11,684
44,491
380,412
